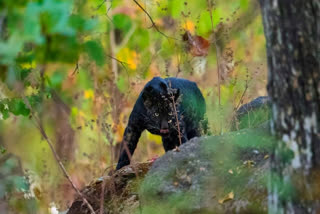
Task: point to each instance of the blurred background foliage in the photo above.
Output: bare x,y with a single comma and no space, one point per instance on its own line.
80,65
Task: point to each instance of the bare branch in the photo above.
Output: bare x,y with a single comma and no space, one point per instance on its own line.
56,156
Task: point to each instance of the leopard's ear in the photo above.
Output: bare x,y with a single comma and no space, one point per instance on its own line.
163,86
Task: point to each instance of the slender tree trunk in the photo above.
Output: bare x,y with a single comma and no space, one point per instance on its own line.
292,30
64,133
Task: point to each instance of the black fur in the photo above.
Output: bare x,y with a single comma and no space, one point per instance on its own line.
154,111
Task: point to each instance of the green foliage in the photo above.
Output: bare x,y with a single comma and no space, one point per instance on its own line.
56,79
17,106
12,183
140,38
122,22
2,150
95,51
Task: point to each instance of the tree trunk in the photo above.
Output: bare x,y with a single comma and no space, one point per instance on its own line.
292,30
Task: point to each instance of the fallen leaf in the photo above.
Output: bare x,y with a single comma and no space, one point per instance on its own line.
249,163
229,197
176,149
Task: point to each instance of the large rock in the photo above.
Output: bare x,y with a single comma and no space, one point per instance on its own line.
219,174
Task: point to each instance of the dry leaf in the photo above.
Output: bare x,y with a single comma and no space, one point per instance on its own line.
249,163
229,197
176,149
197,45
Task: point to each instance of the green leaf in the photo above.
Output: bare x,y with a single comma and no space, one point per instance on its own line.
95,52
2,150
17,107
140,38
24,73
9,49
77,22
175,7
59,48
56,79
122,22
32,27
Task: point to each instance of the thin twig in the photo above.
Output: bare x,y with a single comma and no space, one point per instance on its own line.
100,5
56,156
75,69
118,60
175,113
244,92
152,22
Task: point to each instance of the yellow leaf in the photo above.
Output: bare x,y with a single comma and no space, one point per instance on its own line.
229,197
266,156
28,65
129,56
120,128
30,91
188,25
88,94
